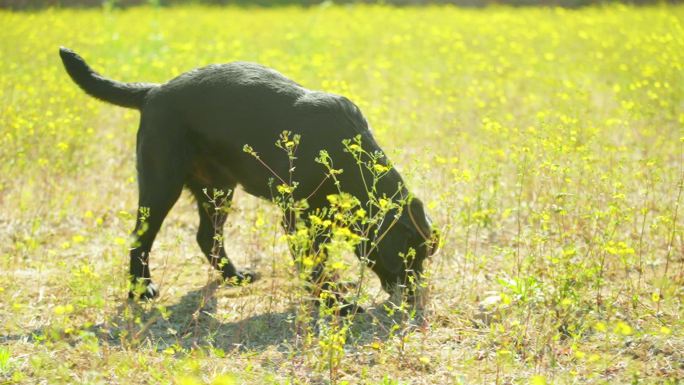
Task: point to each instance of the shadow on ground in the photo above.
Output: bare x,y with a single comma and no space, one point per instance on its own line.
192,322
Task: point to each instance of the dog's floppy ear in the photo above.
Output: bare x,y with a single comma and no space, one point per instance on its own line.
394,243
423,225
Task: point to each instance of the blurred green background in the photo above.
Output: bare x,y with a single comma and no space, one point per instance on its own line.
33,4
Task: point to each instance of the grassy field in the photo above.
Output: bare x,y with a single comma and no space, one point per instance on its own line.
546,143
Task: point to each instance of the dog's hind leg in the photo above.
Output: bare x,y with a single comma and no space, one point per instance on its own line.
162,169
213,211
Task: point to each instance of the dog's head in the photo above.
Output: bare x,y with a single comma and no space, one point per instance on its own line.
403,247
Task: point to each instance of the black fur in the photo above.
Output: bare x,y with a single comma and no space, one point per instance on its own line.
192,132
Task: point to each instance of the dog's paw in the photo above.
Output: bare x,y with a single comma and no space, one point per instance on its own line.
241,278
340,306
144,292
351,309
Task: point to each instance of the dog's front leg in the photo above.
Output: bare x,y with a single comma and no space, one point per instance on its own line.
324,285
320,283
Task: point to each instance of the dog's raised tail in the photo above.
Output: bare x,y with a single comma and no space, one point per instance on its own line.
131,95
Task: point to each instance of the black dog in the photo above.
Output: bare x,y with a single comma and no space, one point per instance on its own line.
192,133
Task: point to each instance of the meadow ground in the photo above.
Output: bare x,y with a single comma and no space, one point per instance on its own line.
547,144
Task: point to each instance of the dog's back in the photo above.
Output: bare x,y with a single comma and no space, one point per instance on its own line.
219,108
